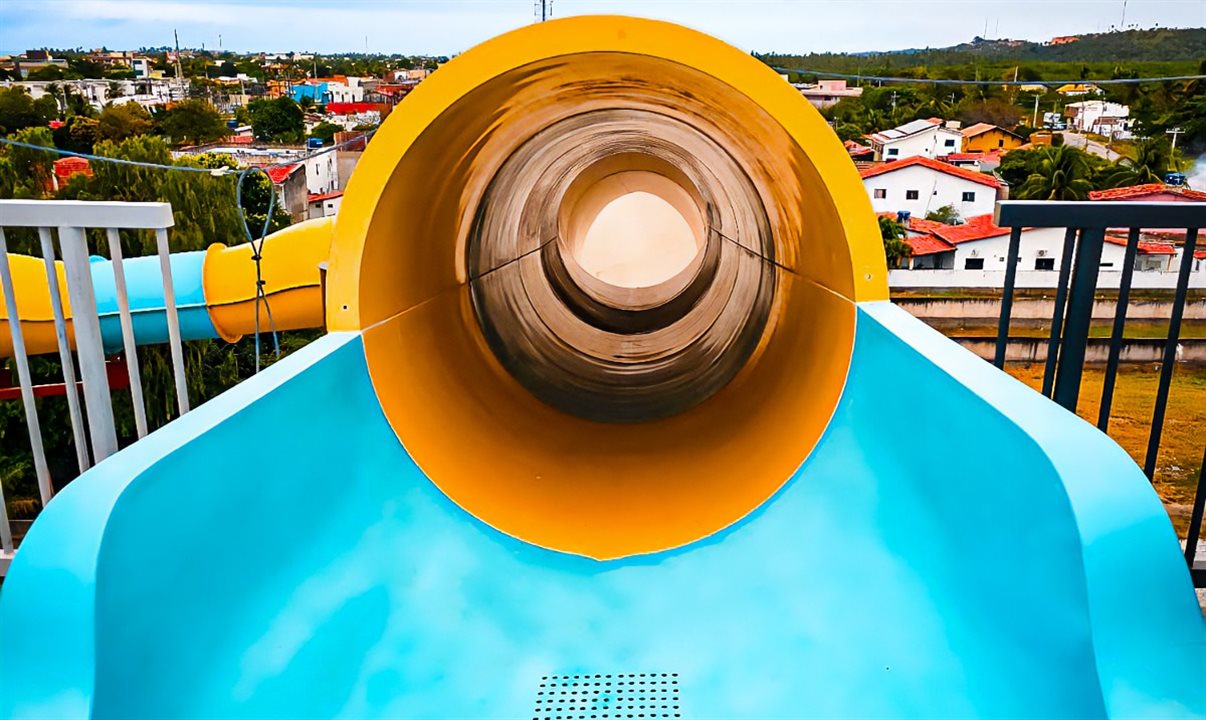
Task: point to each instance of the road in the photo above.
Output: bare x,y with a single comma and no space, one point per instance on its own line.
1092,146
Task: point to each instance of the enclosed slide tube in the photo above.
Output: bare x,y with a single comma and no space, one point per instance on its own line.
214,290
510,483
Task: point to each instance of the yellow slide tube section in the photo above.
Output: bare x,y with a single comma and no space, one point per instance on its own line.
292,281
289,269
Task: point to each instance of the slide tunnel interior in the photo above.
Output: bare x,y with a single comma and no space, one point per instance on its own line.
614,419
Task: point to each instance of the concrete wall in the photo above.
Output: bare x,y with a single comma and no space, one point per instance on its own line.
1097,351
1040,309
1108,279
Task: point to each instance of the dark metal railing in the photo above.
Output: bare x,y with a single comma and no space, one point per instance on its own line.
1080,265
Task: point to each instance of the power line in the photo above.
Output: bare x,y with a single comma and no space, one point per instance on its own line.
943,81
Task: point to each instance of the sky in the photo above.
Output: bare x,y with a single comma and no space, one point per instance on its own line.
446,27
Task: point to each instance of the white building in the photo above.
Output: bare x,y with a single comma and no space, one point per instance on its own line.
322,170
324,205
975,255
828,92
351,91
1101,117
930,138
919,185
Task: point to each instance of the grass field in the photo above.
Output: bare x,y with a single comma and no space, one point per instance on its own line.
1184,437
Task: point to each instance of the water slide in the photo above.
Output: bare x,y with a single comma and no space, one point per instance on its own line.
502,486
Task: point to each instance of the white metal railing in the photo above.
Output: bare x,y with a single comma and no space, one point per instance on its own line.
71,219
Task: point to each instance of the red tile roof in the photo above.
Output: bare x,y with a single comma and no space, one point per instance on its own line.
324,196
1145,247
928,245
857,150
977,227
281,174
1138,191
68,166
933,165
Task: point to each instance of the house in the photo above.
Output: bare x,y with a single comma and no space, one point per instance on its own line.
827,93
324,205
980,245
36,60
1075,89
918,185
985,137
1151,192
857,151
983,162
1101,117
290,184
66,167
926,138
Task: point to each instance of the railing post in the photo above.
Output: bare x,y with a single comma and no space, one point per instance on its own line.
1011,273
1057,314
88,344
127,332
1170,352
78,431
1124,297
1080,314
1195,517
23,377
173,320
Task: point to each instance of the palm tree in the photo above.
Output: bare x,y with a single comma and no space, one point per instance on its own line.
1153,159
896,249
1062,173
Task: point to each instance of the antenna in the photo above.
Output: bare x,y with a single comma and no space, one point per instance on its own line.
544,10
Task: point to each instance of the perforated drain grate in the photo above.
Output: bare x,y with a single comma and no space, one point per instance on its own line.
619,695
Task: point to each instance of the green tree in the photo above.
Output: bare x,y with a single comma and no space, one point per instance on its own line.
26,172
46,72
1060,173
78,134
118,122
18,110
278,120
325,131
191,121
1152,161
947,214
896,249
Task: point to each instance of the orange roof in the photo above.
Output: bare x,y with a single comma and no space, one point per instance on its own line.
68,166
1145,247
933,165
978,227
928,245
280,174
324,196
1138,191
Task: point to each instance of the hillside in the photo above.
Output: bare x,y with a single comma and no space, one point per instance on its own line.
1168,51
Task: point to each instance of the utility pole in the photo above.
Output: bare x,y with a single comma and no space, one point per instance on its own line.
544,10
893,101
1174,132
179,67
1034,118
1123,25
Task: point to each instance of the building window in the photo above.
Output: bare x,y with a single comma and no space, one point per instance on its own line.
911,194
1000,143
950,142
892,152
969,197
880,193
973,264
1044,263
1107,264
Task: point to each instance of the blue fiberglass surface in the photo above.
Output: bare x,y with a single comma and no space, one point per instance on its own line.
144,288
962,548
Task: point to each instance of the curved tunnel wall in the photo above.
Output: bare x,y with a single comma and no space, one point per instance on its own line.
403,271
